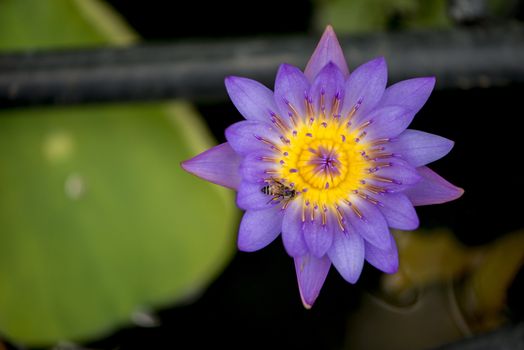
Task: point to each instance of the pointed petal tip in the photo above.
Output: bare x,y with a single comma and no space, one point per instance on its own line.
286,68
454,192
378,65
328,49
415,226
306,302
251,98
306,305
432,81
183,165
392,265
380,60
420,148
192,166
460,192
189,165
432,189
218,165
384,260
232,82
311,275
229,79
391,269
429,80
347,255
328,33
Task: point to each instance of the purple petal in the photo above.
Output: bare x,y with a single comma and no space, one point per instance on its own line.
254,169
251,197
385,260
328,50
248,136
329,84
398,211
258,228
388,122
218,165
399,171
311,274
432,189
347,255
419,148
370,224
292,234
411,94
365,87
291,87
252,99
318,237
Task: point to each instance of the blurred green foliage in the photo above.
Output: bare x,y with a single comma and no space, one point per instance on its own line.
97,219
36,24
353,16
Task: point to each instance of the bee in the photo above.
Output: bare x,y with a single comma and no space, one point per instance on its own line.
279,191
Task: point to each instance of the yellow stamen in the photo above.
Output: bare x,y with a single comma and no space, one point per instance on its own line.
316,158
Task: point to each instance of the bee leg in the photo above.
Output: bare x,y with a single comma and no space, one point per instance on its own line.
276,200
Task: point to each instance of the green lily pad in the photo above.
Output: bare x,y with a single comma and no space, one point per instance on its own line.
98,219
37,24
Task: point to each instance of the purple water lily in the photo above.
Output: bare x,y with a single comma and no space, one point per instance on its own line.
327,161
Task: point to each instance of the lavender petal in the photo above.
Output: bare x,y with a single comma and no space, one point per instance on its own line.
254,169
398,211
385,260
318,237
218,165
347,255
365,87
291,87
400,172
292,234
432,189
388,122
372,226
327,86
251,197
252,99
419,148
258,228
411,94
251,136
311,274
327,50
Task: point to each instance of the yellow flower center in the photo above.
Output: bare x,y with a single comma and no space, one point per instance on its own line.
326,161
323,160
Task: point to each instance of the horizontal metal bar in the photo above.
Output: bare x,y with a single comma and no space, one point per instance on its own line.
460,58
